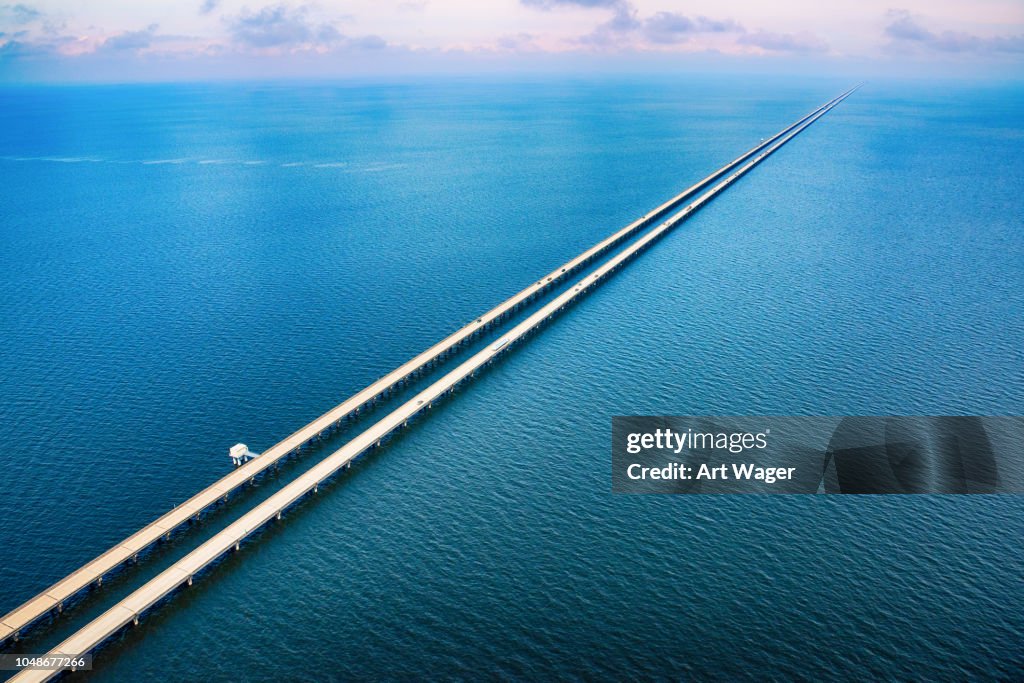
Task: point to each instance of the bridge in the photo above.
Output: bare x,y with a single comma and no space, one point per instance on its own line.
53,599
185,570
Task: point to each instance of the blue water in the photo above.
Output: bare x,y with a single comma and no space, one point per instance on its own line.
184,267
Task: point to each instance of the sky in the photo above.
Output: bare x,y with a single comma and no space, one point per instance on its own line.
135,40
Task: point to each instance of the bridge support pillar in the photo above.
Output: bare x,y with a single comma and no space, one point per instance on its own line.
190,580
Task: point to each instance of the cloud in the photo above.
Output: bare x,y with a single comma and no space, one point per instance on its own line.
784,42
548,4
19,14
371,42
1013,44
208,6
671,27
280,26
661,28
20,47
905,30
16,49
905,27
614,30
132,40
623,18
518,42
126,41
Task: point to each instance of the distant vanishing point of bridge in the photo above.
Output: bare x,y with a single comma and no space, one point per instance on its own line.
52,601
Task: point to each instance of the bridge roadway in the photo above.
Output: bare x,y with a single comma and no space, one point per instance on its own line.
91,574
184,570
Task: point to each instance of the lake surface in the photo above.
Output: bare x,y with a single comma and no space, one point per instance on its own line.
184,267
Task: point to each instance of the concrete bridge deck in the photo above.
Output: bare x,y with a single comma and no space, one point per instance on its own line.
183,571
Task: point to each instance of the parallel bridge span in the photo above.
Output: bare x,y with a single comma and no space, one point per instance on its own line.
53,599
183,571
